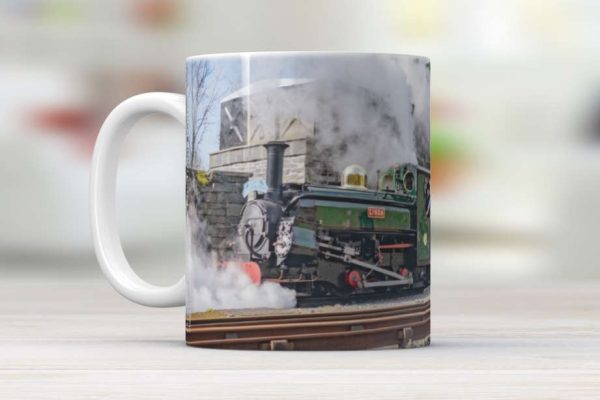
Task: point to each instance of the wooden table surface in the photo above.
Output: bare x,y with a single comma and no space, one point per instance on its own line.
77,338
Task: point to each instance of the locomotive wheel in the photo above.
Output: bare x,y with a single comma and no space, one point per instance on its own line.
353,279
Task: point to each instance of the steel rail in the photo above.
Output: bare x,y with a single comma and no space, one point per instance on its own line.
302,317
336,331
340,323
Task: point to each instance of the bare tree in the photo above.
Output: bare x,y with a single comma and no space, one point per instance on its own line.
201,97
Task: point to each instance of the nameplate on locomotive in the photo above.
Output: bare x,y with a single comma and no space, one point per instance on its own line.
376,212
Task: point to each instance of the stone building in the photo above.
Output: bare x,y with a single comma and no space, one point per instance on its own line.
265,111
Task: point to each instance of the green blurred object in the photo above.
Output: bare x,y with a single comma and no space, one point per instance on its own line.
448,156
446,144
62,11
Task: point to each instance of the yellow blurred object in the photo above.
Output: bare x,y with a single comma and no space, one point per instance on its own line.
356,180
202,178
354,177
421,19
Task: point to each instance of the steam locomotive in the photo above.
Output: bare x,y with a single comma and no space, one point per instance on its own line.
347,240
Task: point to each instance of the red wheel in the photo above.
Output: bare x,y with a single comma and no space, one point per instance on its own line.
252,269
354,279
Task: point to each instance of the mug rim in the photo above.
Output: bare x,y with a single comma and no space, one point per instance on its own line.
302,52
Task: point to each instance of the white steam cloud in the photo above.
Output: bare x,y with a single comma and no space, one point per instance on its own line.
366,109
213,287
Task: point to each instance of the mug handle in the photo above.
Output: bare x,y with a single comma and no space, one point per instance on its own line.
107,241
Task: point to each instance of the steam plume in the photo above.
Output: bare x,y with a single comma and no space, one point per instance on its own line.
366,109
211,287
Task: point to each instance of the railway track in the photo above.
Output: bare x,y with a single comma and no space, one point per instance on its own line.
399,325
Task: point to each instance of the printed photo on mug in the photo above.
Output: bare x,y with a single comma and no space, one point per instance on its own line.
308,201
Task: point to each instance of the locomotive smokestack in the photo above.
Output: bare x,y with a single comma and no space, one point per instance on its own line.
275,152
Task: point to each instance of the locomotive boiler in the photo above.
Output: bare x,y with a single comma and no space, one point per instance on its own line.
346,240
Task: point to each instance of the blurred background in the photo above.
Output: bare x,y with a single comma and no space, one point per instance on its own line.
515,135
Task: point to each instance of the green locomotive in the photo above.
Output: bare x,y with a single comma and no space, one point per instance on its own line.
347,240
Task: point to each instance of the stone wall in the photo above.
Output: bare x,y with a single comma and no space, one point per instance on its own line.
301,164
217,198
252,159
317,168
293,169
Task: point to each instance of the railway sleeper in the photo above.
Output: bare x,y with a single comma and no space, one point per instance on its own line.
278,345
405,337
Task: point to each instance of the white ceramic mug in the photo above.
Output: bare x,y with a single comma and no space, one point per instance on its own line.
308,200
